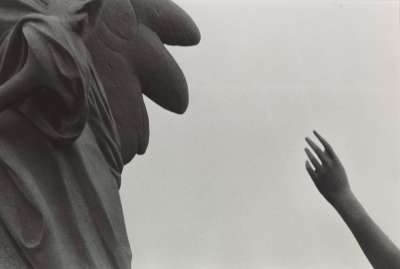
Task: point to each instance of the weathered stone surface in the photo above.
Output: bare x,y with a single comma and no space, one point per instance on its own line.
127,47
73,74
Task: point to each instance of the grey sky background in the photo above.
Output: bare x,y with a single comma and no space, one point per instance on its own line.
224,186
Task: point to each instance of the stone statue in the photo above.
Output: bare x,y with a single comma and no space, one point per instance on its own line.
72,75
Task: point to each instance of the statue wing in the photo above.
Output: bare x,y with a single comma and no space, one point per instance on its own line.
129,54
162,21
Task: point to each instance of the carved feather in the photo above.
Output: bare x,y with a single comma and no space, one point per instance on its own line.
129,53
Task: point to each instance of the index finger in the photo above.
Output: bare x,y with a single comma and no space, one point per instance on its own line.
321,155
325,143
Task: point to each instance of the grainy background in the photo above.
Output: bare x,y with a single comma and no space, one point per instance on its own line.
224,186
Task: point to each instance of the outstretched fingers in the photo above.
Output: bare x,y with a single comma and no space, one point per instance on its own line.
313,160
319,152
326,145
311,171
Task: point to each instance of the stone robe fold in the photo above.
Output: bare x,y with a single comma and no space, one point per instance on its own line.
60,152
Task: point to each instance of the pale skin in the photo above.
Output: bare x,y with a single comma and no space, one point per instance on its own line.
329,176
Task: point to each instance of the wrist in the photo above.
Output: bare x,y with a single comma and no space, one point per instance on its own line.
343,199
350,209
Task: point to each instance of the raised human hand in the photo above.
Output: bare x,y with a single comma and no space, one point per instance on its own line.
328,173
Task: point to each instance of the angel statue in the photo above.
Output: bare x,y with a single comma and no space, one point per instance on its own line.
72,78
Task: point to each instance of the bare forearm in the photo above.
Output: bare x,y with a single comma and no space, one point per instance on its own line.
329,176
379,249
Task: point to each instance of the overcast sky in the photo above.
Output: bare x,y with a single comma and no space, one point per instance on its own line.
224,186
